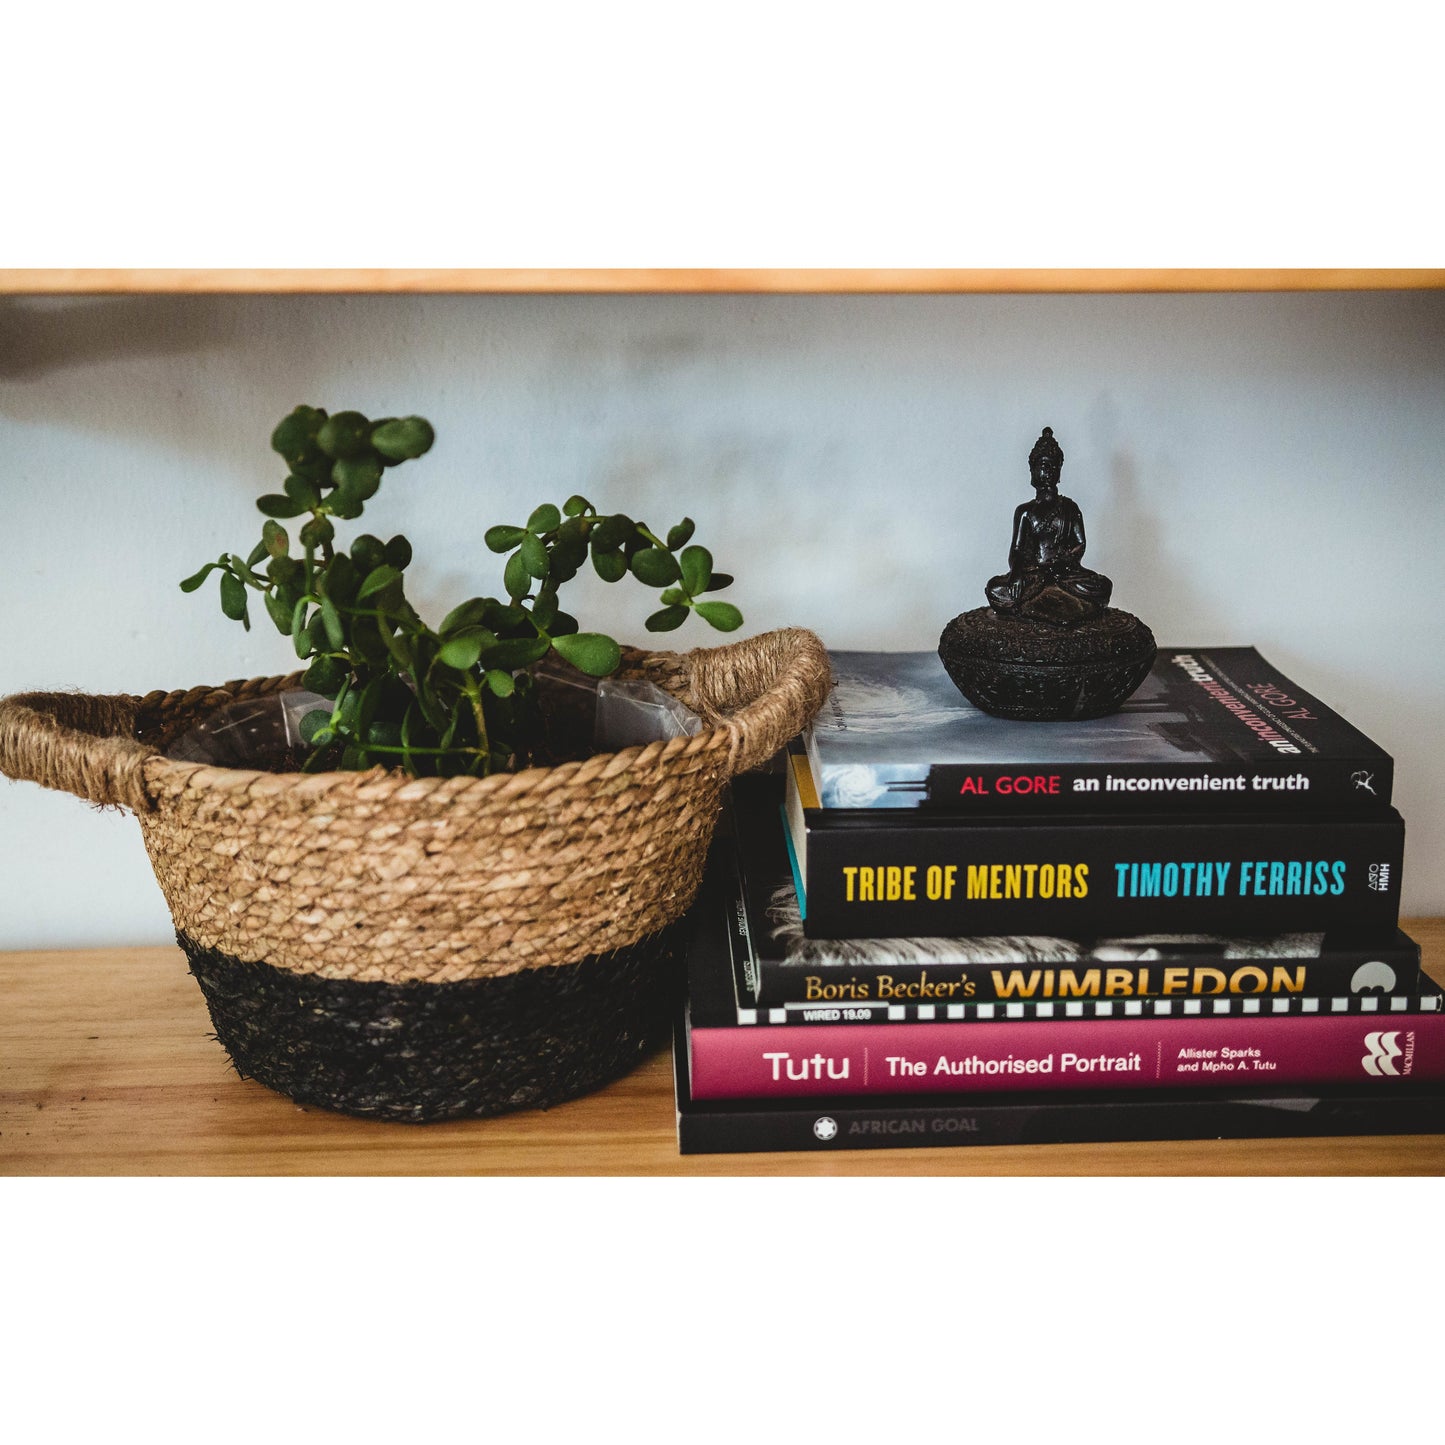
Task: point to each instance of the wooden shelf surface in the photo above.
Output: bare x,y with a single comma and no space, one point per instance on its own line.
108,1067
102,281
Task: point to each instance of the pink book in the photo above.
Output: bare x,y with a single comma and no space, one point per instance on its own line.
819,1060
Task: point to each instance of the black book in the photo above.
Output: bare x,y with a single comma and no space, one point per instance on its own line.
865,873
782,969
1212,729
758,1126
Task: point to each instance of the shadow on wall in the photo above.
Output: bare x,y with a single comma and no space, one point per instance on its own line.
41,336
107,366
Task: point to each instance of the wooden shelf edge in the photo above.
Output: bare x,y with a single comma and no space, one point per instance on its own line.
56,282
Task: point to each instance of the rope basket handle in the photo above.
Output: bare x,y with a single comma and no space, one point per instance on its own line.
78,743
760,692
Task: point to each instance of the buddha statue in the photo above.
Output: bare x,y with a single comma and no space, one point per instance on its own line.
1048,645
1046,579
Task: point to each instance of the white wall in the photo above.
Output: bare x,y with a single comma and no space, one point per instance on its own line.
1253,469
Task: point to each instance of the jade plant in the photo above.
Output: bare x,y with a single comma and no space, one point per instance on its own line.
460,698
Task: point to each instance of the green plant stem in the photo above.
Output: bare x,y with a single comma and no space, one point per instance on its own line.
341,697
474,694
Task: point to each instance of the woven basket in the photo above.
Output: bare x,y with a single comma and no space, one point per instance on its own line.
419,949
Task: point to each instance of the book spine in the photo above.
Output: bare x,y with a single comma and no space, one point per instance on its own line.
815,1061
1213,730
825,1125
1310,784
1115,975
1085,990
1101,877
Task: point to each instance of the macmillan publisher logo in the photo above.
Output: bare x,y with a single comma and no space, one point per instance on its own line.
1384,1049
1380,877
826,1128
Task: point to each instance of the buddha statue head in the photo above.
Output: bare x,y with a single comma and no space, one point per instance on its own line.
1046,461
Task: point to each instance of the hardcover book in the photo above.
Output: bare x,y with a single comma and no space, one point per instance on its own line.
1210,729
1047,1117
1147,1051
790,975
867,873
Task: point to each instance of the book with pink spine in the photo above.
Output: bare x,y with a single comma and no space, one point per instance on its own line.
1406,1041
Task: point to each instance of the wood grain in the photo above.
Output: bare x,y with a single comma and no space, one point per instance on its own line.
100,281
108,1067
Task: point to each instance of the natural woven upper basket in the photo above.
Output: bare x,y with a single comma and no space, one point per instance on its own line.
377,877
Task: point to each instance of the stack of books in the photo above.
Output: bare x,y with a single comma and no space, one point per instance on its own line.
938,927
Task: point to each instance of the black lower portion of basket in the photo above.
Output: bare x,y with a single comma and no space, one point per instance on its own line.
418,1052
